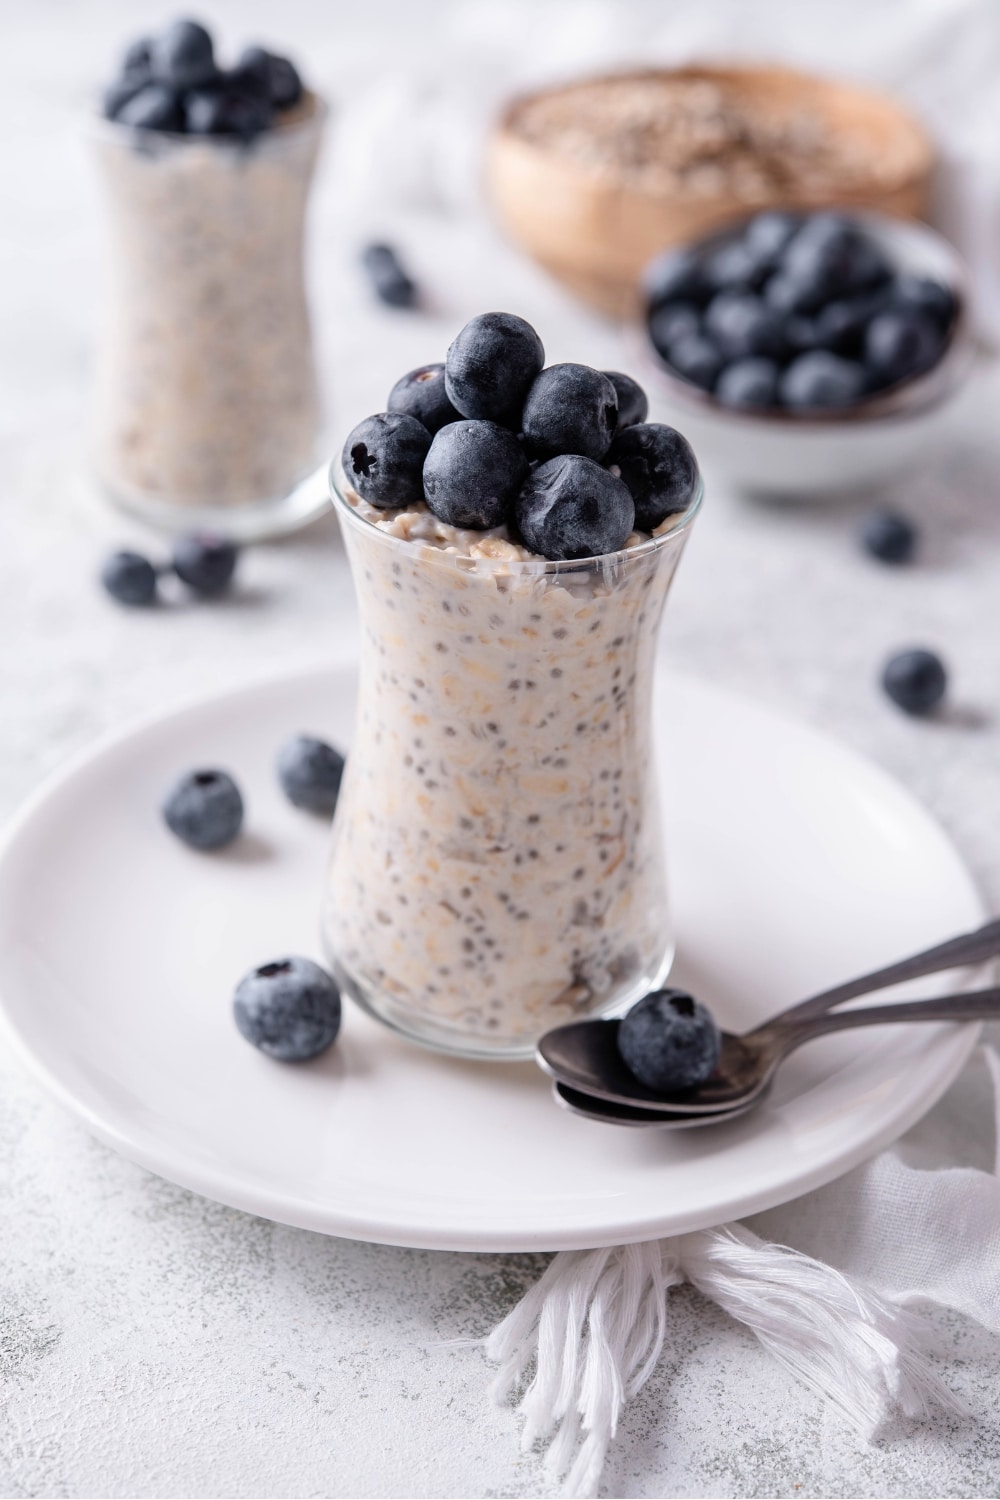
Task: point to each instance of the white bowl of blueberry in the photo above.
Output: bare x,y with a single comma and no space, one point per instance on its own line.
808,354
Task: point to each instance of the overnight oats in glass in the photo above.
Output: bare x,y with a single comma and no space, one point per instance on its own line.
208,404
497,865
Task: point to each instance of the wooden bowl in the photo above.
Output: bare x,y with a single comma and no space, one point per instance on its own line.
594,222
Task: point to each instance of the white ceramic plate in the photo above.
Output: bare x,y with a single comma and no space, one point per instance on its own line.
795,864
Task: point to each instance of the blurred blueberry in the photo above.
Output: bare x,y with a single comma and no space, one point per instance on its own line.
569,409
749,382
633,405
118,94
290,1009
182,55
278,75
915,680
696,358
900,343
421,393
205,561
658,468
473,473
390,281
154,107
735,267
740,324
383,459
310,772
889,536
669,1041
204,809
925,295
673,276
821,379
218,110
673,320
570,507
767,234
130,578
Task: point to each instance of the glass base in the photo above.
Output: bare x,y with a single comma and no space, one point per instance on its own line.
252,521
439,1037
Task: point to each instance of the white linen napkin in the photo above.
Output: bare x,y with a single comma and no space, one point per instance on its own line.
829,1283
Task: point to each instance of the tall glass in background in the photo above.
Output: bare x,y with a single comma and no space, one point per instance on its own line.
497,865
208,405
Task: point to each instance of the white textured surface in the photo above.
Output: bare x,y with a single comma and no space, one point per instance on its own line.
153,1344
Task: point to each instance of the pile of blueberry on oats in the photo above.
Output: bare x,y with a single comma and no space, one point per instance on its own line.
562,458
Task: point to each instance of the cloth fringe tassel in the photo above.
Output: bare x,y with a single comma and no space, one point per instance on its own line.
587,1337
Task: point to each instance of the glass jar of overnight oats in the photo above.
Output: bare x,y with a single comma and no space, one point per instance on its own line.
207,397
497,865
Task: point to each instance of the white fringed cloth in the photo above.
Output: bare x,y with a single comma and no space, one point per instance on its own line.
829,1284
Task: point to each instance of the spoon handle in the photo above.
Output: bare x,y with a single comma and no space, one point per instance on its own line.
788,1032
971,948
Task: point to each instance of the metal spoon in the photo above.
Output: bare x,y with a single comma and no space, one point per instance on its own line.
748,1063
584,1055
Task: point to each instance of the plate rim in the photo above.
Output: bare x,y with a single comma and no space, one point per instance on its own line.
302,1213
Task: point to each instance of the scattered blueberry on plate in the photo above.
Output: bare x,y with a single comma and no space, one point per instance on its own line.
290,1009
560,455
130,578
172,81
204,809
669,1041
916,680
813,293
310,772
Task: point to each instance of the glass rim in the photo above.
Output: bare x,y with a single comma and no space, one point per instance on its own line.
282,130
523,566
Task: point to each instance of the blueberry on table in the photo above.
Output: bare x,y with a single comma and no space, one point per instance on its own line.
421,394
901,342
290,1009
658,468
473,473
154,107
750,383
182,55
130,578
669,1041
740,324
820,379
279,76
633,405
674,275
671,321
890,537
389,280
205,561
204,809
915,680
383,459
569,409
310,772
696,358
490,366
570,507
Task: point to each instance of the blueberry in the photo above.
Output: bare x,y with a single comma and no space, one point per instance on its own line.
289,1008
570,507
749,382
154,107
800,333
569,409
138,59
129,578
204,809
768,234
421,394
900,343
383,459
841,324
182,55
925,295
669,1041
671,321
632,403
820,379
118,94
310,773
735,267
659,470
830,256
280,77
490,366
915,680
696,358
790,295
473,473
889,536
740,324
674,275
219,110
390,281
204,561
